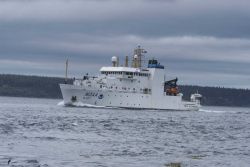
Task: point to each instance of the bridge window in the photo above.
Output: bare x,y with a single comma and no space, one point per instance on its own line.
129,73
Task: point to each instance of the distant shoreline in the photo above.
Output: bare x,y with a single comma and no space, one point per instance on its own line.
30,86
1,96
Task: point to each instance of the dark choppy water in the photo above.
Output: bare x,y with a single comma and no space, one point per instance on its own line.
40,133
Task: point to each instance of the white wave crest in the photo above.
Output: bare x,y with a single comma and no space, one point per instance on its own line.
61,103
85,105
80,104
75,124
212,111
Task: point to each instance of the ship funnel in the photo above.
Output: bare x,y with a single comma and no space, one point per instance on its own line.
114,60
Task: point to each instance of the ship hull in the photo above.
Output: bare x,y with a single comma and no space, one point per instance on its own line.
73,94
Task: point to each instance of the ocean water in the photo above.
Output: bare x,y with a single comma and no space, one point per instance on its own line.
43,133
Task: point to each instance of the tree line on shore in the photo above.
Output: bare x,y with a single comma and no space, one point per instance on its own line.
48,87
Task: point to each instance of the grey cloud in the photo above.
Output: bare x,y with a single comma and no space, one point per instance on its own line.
36,40
101,48
191,37
225,18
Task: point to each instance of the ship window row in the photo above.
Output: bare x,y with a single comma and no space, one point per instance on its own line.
142,74
126,73
105,72
144,90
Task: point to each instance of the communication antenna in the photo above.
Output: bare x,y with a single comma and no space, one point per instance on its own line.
66,70
140,56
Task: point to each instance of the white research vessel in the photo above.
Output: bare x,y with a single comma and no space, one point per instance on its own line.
134,87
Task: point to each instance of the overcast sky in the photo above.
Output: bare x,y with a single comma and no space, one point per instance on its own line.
202,42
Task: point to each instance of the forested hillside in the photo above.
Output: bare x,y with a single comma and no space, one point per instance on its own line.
216,96
30,86
47,87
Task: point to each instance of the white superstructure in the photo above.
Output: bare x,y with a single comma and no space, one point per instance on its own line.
129,87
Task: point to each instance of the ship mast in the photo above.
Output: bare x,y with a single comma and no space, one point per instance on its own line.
66,70
138,56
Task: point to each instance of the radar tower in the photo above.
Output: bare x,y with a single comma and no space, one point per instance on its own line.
139,56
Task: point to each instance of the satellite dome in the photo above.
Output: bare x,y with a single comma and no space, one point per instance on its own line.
135,56
114,59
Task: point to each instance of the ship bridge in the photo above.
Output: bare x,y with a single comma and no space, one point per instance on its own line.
119,69
125,71
154,64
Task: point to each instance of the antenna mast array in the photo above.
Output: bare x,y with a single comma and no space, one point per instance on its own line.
139,57
66,70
